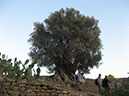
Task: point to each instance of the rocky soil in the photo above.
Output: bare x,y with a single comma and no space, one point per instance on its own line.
89,87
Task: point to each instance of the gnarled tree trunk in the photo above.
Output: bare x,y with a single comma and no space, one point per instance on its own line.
65,75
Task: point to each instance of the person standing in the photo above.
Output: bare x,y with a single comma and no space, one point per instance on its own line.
105,83
99,82
116,84
79,76
83,78
79,79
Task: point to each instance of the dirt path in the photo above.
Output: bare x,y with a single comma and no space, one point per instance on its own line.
89,88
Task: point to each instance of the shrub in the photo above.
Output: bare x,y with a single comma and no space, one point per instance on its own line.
121,91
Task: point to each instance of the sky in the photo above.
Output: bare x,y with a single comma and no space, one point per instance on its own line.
18,16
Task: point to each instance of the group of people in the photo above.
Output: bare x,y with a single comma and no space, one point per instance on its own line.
105,83
99,82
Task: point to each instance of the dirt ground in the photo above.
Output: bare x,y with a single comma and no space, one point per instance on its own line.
89,87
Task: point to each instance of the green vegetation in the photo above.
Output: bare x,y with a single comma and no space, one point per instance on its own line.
43,79
66,41
90,95
121,91
16,69
110,76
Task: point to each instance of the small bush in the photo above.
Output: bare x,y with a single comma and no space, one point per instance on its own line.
121,91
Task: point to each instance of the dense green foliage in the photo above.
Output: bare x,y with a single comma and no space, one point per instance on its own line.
16,69
67,40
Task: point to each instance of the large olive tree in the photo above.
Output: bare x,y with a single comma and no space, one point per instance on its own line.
66,41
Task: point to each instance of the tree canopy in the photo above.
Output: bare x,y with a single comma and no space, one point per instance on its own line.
66,41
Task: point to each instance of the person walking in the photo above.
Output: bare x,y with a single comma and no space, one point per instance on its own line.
105,83
80,79
99,82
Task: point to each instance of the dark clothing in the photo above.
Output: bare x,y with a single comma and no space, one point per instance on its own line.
105,84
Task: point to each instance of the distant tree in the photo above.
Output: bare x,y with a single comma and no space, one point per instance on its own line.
110,76
66,41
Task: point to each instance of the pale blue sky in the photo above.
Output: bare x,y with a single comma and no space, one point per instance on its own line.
17,17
